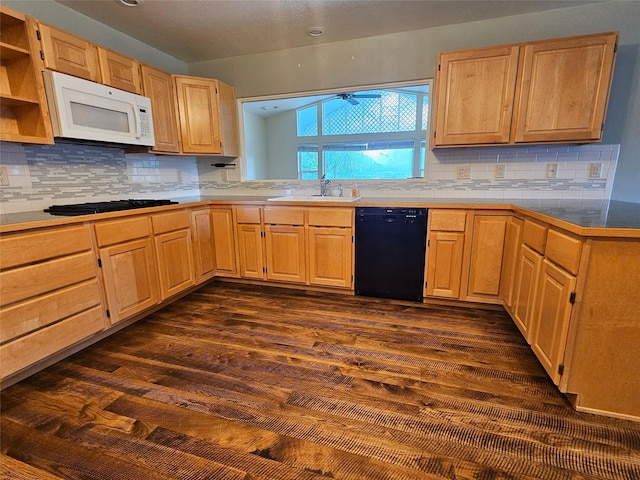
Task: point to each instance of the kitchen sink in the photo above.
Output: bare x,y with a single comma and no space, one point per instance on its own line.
313,198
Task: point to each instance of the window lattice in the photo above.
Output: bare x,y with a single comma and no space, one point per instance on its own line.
392,112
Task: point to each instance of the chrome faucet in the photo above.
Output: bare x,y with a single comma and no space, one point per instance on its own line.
324,183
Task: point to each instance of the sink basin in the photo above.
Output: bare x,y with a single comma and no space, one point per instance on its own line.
313,198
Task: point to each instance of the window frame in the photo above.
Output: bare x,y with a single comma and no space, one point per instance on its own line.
422,142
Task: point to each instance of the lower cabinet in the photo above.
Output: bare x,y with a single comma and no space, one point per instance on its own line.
445,253
51,296
250,242
172,236
285,253
203,252
128,266
513,238
551,324
224,244
525,287
331,244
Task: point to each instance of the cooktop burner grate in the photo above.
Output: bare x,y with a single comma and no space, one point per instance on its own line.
101,207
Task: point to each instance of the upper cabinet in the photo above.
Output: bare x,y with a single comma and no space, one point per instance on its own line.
540,92
158,86
24,113
119,71
207,113
69,54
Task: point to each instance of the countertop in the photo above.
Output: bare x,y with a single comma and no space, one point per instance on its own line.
588,218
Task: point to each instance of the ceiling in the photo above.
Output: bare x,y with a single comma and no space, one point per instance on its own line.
196,30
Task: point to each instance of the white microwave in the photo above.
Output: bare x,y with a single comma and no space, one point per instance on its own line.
86,110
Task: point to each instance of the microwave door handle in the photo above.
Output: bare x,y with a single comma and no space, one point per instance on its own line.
136,119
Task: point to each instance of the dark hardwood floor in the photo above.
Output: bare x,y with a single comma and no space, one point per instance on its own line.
246,382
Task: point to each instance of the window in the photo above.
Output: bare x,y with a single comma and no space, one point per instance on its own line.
379,133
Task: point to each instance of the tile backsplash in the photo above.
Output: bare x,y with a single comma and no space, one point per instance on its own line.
41,175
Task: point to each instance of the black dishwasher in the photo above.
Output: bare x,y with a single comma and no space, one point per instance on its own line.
390,252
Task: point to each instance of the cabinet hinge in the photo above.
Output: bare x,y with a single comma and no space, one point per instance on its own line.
429,243
425,284
434,134
615,48
572,298
560,369
38,35
108,313
42,55
439,65
99,263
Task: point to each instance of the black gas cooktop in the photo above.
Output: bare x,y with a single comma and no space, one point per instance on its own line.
101,207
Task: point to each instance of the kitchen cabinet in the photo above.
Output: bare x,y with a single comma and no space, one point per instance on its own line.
67,53
128,265
547,91
445,250
474,96
159,87
207,113
51,296
551,324
331,246
488,237
224,244
119,71
285,244
513,238
525,288
24,111
203,246
172,237
250,242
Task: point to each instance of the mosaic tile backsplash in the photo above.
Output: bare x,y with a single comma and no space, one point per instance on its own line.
42,175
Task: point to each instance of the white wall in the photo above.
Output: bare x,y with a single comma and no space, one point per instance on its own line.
413,55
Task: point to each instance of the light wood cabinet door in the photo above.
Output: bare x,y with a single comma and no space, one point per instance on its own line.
199,113
203,245
24,114
444,264
159,87
474,96
129,271
564,88
119,71
69,54
285,253
525,289
331,257
551,326
513,238
175,262
224,242
488,238
250,251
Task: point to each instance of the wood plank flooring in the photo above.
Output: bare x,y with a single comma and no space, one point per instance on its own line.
247,382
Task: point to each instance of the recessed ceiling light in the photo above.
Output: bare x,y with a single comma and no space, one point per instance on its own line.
132,3
314,31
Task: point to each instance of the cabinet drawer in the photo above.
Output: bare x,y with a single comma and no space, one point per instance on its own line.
248,214
448,220
22,283
535,235
564,250
170,221
284,215
28,248
31,348
28,316
331,217
119,231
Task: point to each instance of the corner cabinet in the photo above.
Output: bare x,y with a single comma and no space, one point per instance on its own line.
540,92
208,120
25,115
